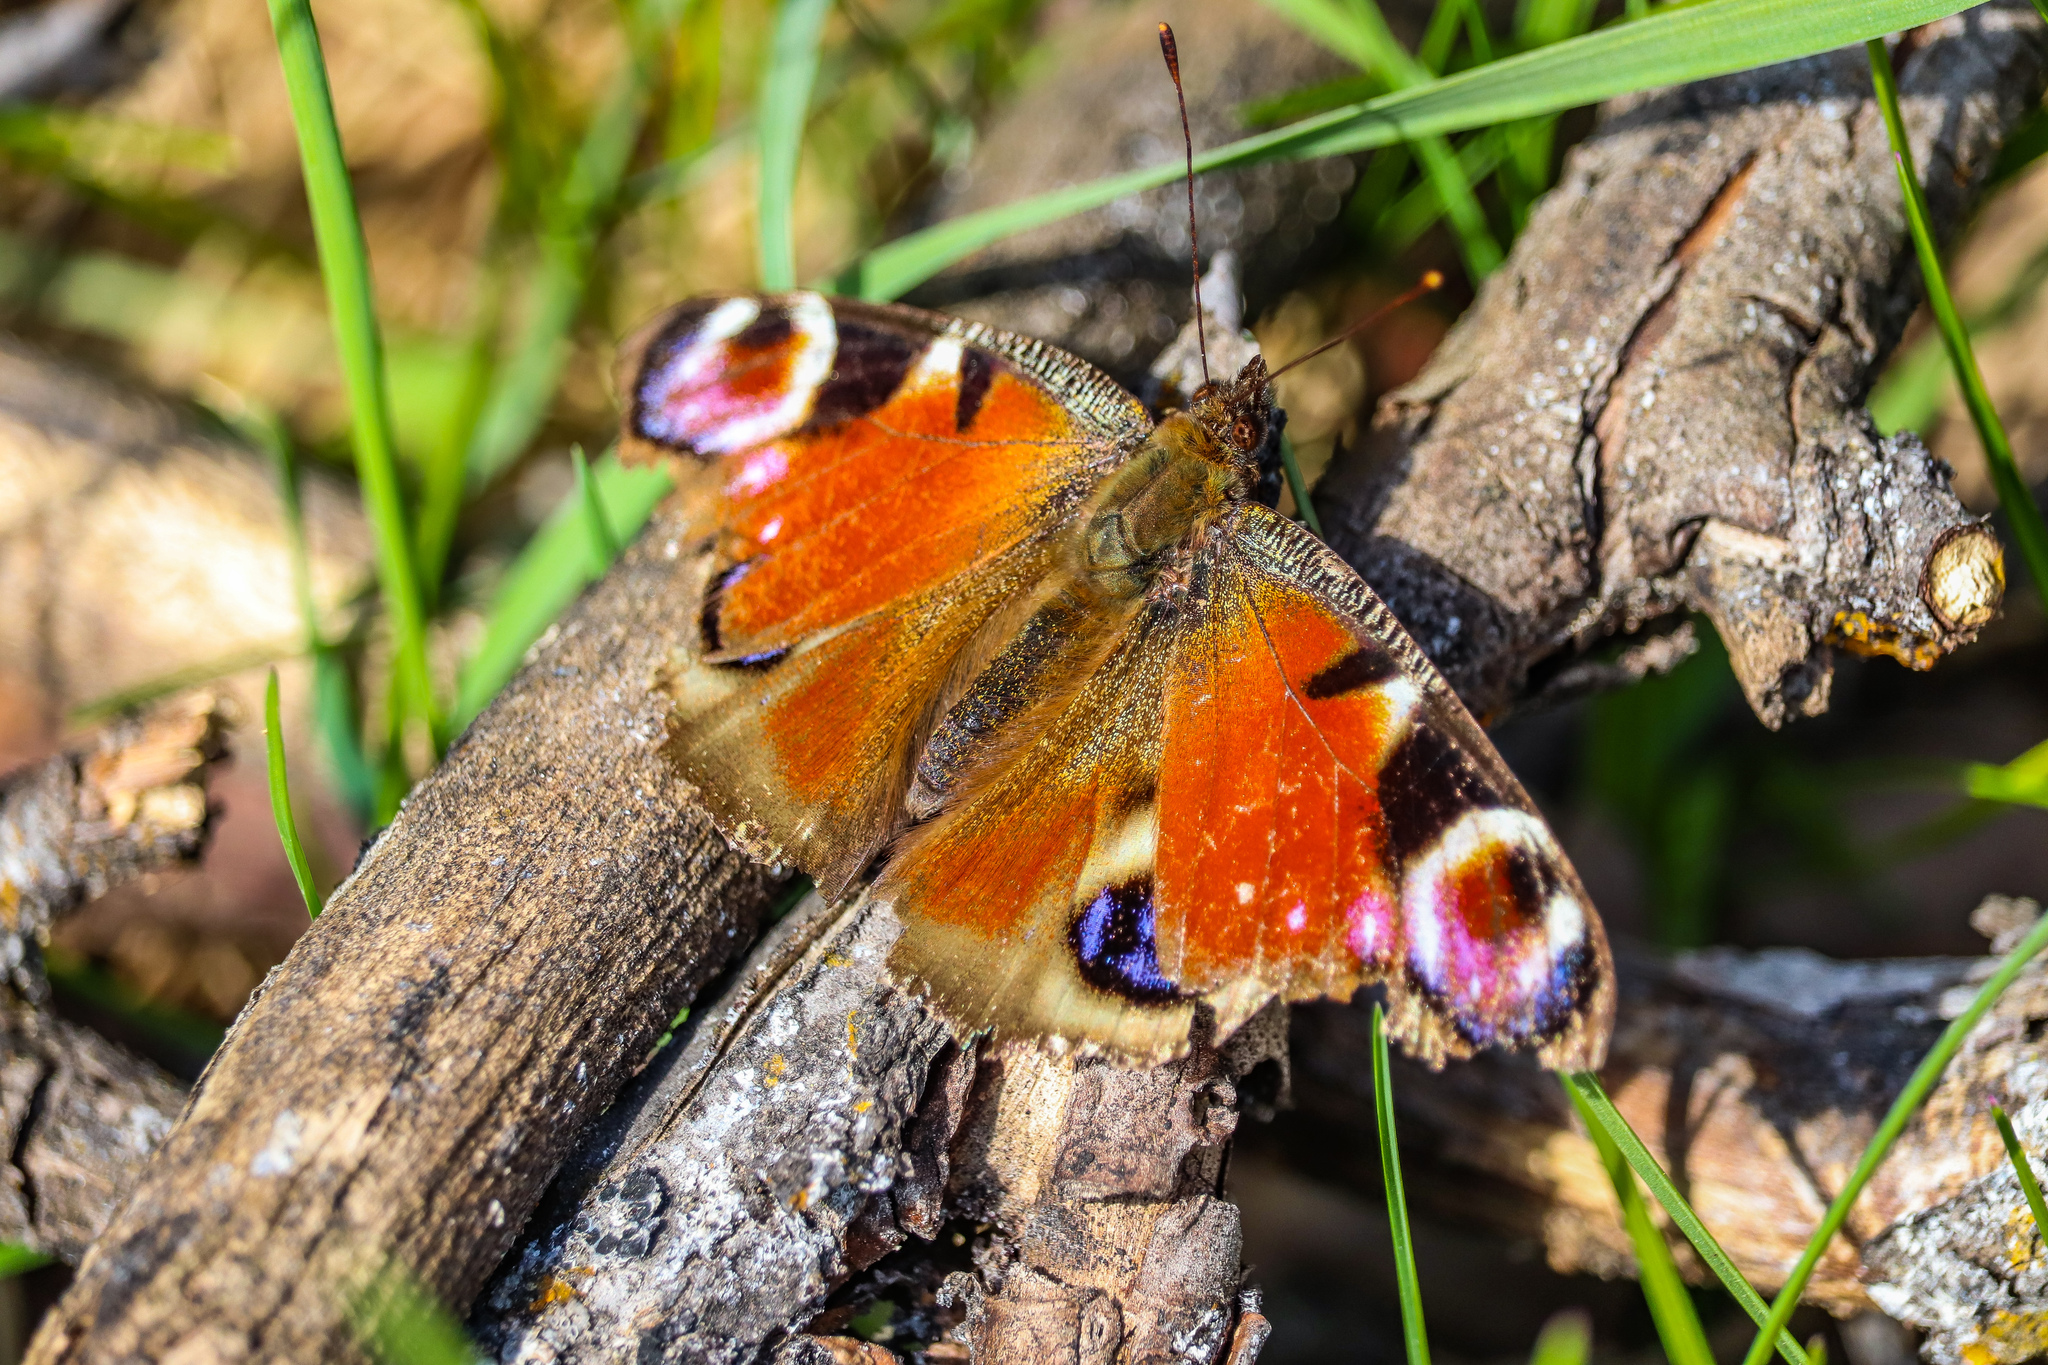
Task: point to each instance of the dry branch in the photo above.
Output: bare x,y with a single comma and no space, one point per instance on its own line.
501,962
404,1086
1757,1079
77,1114
1654,406
73,826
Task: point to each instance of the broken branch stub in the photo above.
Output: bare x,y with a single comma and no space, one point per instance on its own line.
1654,404
78,1116
133,801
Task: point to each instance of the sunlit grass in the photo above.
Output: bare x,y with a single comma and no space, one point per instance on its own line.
1414,1334
281,800
2023,515
345,266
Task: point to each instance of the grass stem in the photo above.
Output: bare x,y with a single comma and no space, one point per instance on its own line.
2029,1186
1902,1110
1409,1287
1671,1307
281,800
1590,1098
2022,513
345,267
784,109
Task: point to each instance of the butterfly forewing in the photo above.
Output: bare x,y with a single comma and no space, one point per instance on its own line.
883,480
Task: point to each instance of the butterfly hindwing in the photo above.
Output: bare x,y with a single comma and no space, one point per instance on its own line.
1263,791
1331,815
882,480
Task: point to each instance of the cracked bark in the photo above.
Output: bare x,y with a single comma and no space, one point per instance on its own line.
1654,406
816,1118
1757,1079
78,1115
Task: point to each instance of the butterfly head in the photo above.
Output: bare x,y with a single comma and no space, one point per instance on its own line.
1238,416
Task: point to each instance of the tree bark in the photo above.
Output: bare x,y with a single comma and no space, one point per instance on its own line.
402,1088
500,963
1655,405
78,1116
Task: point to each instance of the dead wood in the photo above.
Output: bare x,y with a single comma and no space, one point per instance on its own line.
77,1114
505,955
105,493
80,1117
403,1087
71,827
817,1117
1757,1079
1654,406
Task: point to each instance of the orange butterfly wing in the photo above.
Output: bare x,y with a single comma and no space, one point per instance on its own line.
1330,814
1263,791
883,482
1241,786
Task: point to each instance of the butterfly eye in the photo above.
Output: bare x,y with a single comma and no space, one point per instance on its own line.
1241,434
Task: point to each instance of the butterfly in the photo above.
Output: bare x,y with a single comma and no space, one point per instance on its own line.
1119,744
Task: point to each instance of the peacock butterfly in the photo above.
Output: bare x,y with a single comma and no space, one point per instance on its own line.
1114,739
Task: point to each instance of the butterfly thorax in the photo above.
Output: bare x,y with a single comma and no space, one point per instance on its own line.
1140,538
1196,465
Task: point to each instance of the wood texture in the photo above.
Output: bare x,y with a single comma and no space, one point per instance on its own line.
78,1116
402,1088
1654,406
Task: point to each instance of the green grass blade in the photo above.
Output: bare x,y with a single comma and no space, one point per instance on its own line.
345,266
1902,1110
1298,486
1359,33
2024,1169
402,1324
1412,1332
549,573
16,1259
1590,1098
1567,1339
2014,496
1671,1307
2022,782
524,389
784,106
1675,44
604,542
334,712
281,801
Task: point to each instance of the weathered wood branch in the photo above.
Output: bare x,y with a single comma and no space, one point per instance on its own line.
78,1116
502,960
1757,1079
1655,405
83,821
404,1086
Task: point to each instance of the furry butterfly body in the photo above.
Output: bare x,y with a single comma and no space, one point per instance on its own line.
1117,742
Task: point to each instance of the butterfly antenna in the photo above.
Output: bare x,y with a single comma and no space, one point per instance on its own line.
1431,280
1166,45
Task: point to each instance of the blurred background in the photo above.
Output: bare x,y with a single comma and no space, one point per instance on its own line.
535,177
